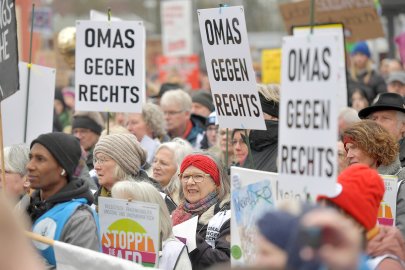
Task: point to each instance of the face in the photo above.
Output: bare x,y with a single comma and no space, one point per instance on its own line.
199,109
212,132
69,101
240,148
57,104
222,142
389,121
87,137
137,126
176,119
269,255
356,155
358,101
16,185
342,161
396,87
120,119
359,60
195,192
163,166
105,167
43,170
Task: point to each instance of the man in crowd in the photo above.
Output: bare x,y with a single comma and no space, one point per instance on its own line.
202,103
396,83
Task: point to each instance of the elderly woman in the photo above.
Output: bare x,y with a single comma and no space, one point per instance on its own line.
166,167
206,195
148,127
15,160
174,253
366,142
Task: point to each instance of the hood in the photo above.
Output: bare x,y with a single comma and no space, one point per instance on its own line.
260,139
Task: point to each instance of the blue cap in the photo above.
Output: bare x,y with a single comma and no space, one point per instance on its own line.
361,47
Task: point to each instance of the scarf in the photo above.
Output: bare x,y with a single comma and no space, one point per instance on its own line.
187,210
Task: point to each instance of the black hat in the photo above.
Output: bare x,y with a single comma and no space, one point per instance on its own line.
165,87
204,98
385,102
64,148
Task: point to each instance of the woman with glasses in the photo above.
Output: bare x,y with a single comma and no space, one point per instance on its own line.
207,195
240,148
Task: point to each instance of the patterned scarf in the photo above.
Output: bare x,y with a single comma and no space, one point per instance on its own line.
187,210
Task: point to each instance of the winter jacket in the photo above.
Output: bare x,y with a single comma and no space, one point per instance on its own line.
206,255
396,169
264,146
195,136
376,85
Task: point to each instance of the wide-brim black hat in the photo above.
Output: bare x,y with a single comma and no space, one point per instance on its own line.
385,102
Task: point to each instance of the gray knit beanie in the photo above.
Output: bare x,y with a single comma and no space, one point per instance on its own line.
123,149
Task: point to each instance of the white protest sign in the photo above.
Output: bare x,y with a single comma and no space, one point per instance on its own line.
176,15
388,207
338,30
40,106
110,66
229,67
130,230
308,128
187,231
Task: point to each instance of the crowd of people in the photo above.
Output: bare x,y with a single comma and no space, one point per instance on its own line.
175,154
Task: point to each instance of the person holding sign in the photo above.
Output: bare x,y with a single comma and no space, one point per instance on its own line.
173,253
206,195
59,207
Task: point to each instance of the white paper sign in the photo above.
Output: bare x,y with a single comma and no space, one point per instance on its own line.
388,206
308,128
177,24
187,230
40,106
110,66
229,67
130,230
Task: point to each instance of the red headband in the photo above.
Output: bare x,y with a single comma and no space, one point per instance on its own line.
346,140
203,163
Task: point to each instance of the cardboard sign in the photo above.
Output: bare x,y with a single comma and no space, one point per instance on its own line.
229,67
360,18
40,106
308,128
184,67
388,207
110,66
130,230
9,81
177,24
271,66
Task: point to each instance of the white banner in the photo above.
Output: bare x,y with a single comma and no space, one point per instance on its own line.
110,66
229,66
40,106
388,206
177,27
308,128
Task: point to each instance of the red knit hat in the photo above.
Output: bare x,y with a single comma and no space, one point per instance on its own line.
203,163
360,192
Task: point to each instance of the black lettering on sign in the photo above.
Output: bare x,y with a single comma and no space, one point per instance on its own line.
222,31
108,93
308,114
117,67
234,69
109,38
236,105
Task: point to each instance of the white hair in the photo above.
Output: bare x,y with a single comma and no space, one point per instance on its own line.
16,158
349,115
179,97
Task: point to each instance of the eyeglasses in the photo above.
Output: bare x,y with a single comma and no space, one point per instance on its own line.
197,178
172,113
100,160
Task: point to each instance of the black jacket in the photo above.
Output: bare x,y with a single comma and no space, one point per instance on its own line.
402,152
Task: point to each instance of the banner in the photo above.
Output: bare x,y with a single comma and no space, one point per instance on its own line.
177,27
110,66
40,106
130,230
271,66
388,207
359,18
184,67
229,67
9,81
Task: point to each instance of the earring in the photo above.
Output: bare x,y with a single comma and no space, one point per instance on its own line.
63,172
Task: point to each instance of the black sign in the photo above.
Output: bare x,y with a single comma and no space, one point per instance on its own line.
9,77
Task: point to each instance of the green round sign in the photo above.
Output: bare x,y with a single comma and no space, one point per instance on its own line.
236,252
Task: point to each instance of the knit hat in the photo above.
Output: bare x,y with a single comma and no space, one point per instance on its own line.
203,163
269,106
359,192
124,149
204,98
361,47
65,148
89,120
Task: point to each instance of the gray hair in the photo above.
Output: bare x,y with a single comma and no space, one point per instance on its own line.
349,115
178,97
16,158
145,192
153,116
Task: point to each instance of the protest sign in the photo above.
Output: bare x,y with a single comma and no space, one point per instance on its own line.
229,67
338,30
186,232
110,66
359,18
9,81
130,230
43,21
271,66
388,207
400,41
184,67
177,24
308,128
40,106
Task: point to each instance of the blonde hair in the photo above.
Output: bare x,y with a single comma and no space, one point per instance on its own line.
115,130
271,92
